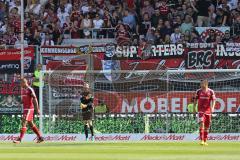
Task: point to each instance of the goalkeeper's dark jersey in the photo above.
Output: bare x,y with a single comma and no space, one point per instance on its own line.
88,102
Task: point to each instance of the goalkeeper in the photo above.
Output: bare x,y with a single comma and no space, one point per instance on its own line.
87,113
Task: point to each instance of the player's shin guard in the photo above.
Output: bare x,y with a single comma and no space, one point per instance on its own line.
36,131
86,131
22,132
201,134
91,130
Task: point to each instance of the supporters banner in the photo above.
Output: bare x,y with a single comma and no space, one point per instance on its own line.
63,58
155,137
204,32
160,102
156,57
10,99
10,60
228,51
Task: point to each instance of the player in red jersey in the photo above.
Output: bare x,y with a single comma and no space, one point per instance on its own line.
206,103
28,99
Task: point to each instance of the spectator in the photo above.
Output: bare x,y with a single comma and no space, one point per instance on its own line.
62,15
155,18
150,36
36,38
193,14
97,24
144,25
212,15
212,37
147,8
86,24
115,19
218,40
33,6
221,18
167,29
2,11
56,34
202,7
187,25
167,39
237,10
236,26
226,38
129,19
123,36
160,24
177,21
225,4
18,42
195,37
74,30
67,6
164,10
47,41
175,37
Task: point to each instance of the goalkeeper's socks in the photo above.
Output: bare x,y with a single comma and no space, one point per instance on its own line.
86,131
91,130
22,132
36,131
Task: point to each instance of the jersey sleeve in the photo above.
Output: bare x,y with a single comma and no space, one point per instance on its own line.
32,93
197,94
213,96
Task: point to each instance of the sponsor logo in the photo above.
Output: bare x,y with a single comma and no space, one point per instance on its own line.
226,137
61,50
68,138
113,138
8,137
163,137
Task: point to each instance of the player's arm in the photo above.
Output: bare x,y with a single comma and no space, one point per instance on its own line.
213,101
195,102
35,101
83,106
90,104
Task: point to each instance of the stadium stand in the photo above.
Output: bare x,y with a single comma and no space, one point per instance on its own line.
53,21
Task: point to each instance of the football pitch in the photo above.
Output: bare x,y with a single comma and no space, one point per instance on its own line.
121,151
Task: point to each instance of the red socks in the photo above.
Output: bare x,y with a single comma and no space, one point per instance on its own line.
205,136
22,132
36,131
201,133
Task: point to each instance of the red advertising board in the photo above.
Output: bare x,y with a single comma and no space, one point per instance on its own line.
10,60
155,102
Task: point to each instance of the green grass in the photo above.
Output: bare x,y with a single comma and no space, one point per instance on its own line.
121,151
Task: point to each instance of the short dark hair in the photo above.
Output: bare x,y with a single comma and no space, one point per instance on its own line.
85,93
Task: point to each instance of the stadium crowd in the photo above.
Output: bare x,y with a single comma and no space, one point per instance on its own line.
48,22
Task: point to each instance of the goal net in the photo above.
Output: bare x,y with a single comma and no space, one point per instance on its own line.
137,101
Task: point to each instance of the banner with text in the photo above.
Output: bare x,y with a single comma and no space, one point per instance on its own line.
160,102
174,137
10,60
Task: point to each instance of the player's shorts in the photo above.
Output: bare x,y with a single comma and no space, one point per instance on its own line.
87,115
205,118
28,114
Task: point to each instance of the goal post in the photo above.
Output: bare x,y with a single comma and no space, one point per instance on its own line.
123,98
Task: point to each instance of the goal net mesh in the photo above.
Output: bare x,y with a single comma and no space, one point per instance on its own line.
137,101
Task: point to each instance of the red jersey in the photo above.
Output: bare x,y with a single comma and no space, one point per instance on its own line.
27,98
204,100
